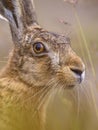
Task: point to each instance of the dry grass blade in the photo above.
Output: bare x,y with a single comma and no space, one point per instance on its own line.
89,56
85,41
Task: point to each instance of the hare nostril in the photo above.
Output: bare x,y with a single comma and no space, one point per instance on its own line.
77,71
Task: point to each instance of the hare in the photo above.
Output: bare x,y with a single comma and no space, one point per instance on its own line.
40,62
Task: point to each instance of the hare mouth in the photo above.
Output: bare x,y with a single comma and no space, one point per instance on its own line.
70,84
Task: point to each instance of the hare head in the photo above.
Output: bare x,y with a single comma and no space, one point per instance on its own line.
39,58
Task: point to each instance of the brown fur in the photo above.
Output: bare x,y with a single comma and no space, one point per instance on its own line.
28,73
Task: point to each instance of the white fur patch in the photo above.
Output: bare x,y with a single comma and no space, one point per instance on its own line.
83,75
1,17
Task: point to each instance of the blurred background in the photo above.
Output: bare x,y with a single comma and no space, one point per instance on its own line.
75,109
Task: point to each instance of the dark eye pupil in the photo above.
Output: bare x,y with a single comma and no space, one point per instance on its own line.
38,46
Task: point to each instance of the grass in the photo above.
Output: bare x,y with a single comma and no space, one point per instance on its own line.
84,41
89,57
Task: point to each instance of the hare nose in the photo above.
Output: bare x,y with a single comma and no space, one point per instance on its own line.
77,71
80,74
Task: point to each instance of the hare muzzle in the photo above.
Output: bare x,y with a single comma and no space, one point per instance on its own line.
70,69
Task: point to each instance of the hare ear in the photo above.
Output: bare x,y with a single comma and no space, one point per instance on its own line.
28,12
10,9
20,14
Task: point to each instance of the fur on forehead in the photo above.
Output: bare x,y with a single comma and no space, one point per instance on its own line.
45,35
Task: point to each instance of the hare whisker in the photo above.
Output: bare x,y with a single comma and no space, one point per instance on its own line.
49,87
42,93
86,94
51,93
36,94
78,102
41,100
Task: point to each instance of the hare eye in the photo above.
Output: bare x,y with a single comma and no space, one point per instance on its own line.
38,47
